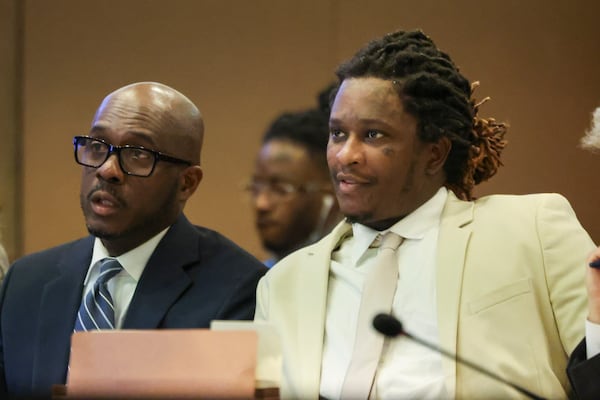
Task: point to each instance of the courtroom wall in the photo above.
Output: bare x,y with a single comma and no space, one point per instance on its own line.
243,62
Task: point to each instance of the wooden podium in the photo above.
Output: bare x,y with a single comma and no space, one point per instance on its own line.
164,364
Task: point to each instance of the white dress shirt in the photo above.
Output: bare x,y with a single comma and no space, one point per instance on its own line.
592,338
122,286
406,370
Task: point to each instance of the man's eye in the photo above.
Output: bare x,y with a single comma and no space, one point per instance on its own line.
336,134
139,154
283,188
96,147
373,134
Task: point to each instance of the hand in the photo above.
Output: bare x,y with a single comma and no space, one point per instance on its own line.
593,287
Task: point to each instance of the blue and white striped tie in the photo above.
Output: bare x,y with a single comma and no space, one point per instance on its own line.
97,309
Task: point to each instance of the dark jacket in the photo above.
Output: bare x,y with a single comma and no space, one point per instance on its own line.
195,275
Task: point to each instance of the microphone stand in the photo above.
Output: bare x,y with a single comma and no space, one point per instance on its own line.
390,326
473,366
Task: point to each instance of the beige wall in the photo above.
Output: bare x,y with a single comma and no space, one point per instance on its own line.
243,62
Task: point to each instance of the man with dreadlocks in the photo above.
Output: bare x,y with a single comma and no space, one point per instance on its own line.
497,280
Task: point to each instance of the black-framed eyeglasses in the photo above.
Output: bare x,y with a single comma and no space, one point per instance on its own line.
280,190
133,160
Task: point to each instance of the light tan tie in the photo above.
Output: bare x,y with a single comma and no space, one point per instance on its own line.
377,297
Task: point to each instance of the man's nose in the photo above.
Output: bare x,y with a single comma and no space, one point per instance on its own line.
350,152
263,199
111,170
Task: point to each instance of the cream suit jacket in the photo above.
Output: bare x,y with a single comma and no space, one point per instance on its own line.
510,297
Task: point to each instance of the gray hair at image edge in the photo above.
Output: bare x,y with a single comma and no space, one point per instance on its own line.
591,140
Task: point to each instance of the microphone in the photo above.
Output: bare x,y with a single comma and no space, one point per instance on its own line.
390,326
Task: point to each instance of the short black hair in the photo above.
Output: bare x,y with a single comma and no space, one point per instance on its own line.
308,128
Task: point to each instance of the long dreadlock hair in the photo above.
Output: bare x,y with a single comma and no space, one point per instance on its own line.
433,90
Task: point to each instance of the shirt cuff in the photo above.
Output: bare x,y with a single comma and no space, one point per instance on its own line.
592,338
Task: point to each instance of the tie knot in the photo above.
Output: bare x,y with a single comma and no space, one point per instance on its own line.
109,267
390,241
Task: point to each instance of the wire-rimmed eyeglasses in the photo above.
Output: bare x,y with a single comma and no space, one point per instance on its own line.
281,190
133,160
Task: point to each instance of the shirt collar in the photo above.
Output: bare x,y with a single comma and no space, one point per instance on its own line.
133,262
413,226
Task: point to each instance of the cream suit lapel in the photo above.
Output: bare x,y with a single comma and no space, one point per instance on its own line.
311,309
455,231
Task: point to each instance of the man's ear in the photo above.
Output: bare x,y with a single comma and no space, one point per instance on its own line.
190,179
438,154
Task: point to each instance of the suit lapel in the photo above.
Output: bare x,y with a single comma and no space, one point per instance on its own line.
311,310
59,304
164,277
455,232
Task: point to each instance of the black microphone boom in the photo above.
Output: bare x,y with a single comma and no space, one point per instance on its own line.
390,326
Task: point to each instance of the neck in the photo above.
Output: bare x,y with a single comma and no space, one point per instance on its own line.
383,224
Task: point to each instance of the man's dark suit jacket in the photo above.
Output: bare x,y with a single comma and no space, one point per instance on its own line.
584,374
195,275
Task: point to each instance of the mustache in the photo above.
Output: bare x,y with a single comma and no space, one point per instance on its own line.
110,189
348,172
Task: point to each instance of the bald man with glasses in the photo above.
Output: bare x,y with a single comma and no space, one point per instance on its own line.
144,265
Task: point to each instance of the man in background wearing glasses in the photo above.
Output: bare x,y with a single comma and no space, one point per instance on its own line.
292,194
144,265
